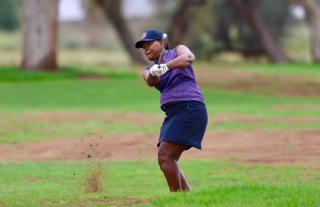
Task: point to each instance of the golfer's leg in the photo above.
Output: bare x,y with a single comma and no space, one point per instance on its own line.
184,184
168,155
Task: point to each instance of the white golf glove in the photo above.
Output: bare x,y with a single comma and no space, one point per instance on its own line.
158,70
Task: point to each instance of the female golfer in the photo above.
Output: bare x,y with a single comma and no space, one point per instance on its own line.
181,100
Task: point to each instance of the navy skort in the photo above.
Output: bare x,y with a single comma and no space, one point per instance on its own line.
184,124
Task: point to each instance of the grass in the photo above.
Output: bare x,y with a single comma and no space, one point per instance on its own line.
299,69
76,90
14,74
304,69
95,94
216,183
22,99
22,131
84,91
10,40
107,95
251,195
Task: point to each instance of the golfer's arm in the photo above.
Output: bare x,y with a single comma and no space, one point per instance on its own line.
184,58
150,80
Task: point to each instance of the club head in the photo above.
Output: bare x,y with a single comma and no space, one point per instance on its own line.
165,40
164,37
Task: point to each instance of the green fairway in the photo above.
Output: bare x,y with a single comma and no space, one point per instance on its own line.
23,95
235,122
140,183
79,103
20,100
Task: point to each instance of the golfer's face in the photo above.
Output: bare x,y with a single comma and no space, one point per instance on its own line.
152,49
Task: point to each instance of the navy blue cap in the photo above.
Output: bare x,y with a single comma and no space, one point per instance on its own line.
149,35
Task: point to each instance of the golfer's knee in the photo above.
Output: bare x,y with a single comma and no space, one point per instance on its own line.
164,161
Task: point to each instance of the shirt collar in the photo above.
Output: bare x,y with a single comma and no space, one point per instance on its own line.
164,57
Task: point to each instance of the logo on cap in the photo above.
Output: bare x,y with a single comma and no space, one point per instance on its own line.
144,35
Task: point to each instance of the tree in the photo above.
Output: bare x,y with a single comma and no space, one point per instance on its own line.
248,10
312,8
9,19
95,23
40,27
112,10
232,33
181,21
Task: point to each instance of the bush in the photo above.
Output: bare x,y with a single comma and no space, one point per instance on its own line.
9,15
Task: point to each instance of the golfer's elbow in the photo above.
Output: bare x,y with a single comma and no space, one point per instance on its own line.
191,58
188,59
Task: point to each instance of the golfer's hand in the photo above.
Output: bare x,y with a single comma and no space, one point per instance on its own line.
158,70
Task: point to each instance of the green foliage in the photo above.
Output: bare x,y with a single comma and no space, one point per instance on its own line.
9,15
276,14
229,32
203,46
72,44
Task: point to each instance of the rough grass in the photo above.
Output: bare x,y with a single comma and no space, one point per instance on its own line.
140,183
82,91
247,195
14,74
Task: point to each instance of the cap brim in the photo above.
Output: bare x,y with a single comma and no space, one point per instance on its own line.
139,44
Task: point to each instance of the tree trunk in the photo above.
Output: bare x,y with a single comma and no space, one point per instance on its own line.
222,33
40,27
315,34
312,9
180,21
112,10
95,24
248,10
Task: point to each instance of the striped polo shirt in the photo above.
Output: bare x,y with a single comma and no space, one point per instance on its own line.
177,84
